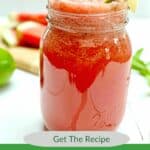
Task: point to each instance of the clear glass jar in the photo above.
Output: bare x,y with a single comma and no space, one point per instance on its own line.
85,69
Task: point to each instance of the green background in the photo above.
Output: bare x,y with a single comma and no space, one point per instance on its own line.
29,147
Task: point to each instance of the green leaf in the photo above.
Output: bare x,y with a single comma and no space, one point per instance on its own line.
138,53
143,68
108,1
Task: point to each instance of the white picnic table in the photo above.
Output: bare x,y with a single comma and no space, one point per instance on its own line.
20,112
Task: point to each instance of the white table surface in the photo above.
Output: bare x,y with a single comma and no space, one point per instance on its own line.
20,112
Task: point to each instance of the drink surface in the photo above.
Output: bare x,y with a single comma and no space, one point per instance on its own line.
84,76
87,6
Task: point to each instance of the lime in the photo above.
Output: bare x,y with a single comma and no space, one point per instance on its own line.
133,5
7,66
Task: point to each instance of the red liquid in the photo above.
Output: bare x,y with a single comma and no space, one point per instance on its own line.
84,79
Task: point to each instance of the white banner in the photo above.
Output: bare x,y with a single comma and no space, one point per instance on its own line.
76,139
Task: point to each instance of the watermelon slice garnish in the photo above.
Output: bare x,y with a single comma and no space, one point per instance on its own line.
23,17
30,33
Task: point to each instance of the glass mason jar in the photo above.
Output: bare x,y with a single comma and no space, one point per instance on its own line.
85,69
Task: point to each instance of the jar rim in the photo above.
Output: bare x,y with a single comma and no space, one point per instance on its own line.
90,22
102,14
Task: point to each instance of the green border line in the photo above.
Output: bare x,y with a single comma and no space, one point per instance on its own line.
30,147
